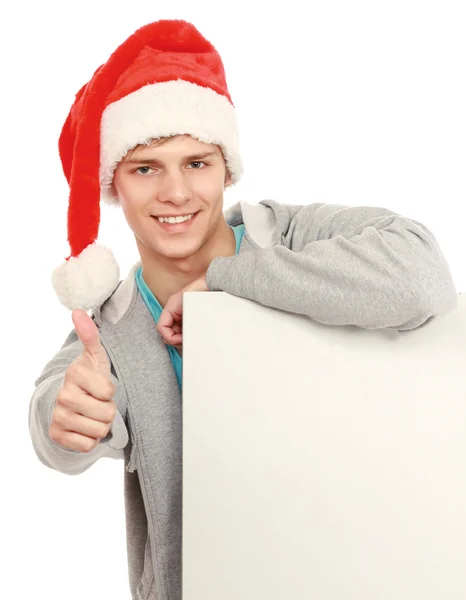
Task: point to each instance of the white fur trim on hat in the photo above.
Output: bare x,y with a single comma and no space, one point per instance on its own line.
164,110
87,280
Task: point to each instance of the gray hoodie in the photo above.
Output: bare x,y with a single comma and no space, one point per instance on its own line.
337,264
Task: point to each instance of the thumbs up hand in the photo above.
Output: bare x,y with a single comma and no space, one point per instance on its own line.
84,410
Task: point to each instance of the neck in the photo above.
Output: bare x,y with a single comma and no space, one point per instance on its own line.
166,276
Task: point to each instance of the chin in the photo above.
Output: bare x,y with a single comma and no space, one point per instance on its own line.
178,251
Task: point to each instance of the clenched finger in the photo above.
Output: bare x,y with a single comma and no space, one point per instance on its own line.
77,401
67,421
91,381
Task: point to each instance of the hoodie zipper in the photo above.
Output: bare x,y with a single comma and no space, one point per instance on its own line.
153,553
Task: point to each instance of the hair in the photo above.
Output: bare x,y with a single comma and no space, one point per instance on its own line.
149,143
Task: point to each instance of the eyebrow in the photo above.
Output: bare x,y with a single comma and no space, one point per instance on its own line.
155,161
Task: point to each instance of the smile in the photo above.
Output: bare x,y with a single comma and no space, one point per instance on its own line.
173,227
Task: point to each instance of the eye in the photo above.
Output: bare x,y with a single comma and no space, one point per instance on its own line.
197,163
144,170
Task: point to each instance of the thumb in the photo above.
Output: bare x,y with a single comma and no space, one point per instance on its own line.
89,335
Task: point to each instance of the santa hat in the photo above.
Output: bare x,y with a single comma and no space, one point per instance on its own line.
166,79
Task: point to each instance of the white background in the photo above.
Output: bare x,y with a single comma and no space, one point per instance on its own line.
339,102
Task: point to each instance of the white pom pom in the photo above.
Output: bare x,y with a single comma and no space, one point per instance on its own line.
87,280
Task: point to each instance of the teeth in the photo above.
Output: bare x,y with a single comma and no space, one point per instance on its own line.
174,219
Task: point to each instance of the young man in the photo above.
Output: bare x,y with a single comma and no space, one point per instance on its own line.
155,131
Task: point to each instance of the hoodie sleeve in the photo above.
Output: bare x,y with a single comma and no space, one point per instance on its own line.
343,265
42,404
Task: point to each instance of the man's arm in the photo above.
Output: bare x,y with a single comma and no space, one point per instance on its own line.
342,265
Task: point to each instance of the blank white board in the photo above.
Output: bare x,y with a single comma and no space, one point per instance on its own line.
321,462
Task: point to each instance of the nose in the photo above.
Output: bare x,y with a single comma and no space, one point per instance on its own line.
173,188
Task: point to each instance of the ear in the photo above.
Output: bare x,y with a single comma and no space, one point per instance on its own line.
113,187
114,193
228,179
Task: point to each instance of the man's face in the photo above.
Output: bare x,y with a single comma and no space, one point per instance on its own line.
180,177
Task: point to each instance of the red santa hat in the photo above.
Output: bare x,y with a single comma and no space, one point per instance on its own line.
165,79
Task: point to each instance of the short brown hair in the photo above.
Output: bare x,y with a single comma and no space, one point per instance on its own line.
151,142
